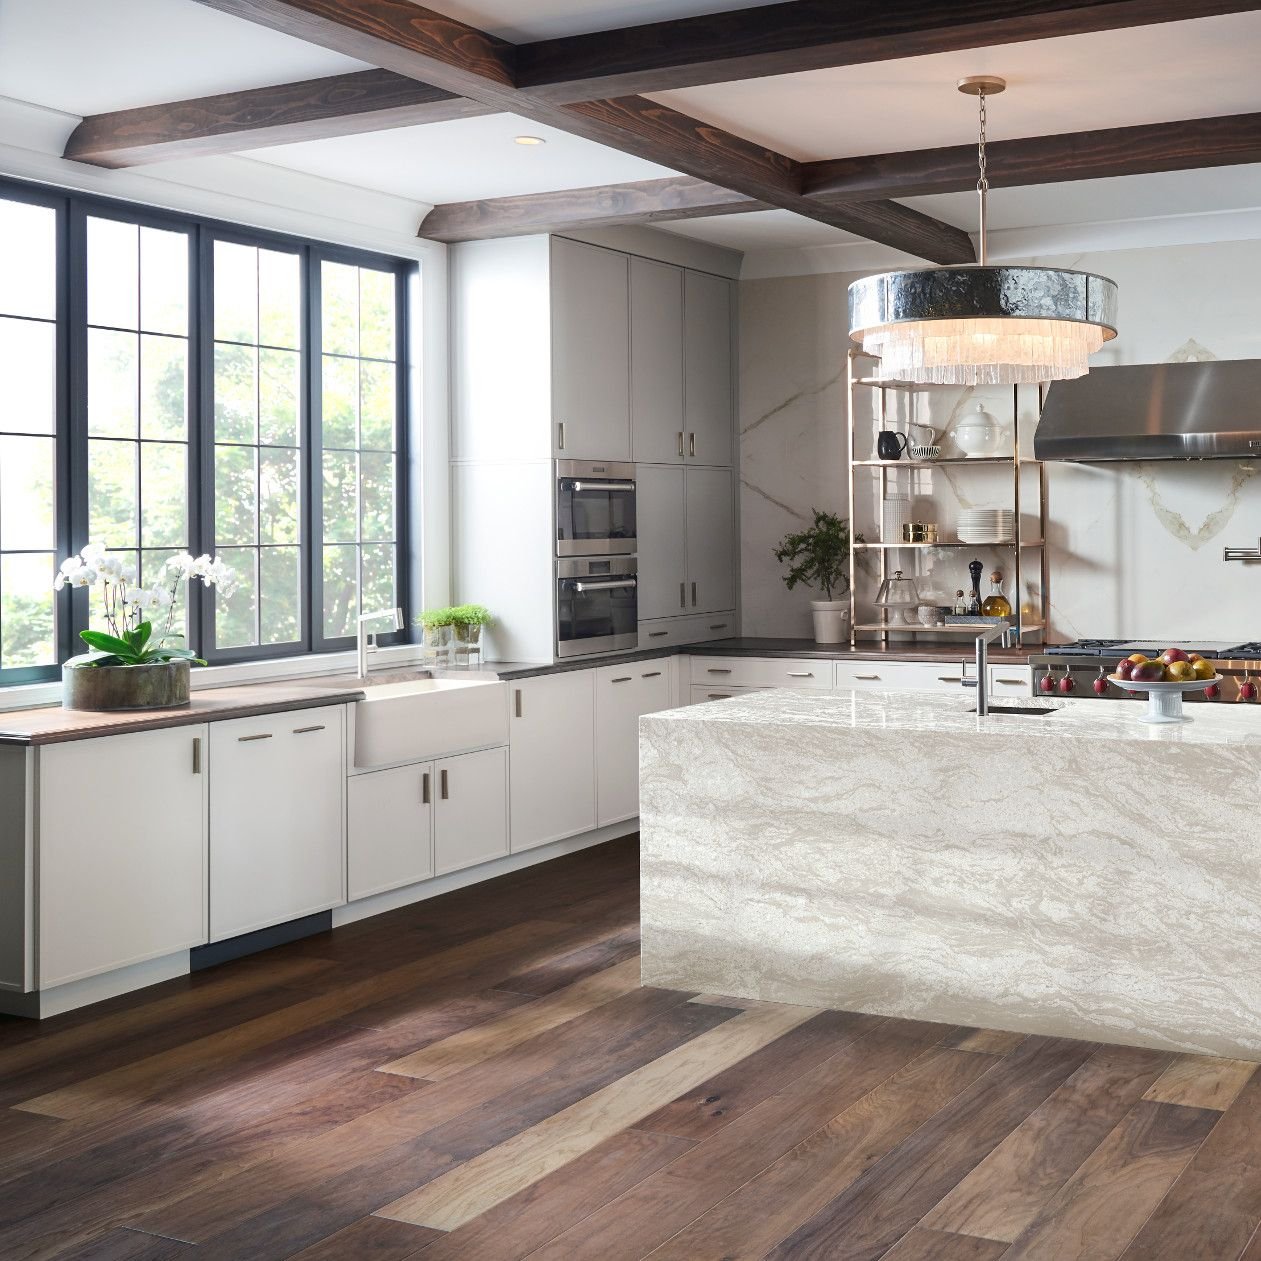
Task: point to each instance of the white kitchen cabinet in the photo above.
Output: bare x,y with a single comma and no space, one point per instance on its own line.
623,694
552,767
121,851
1008,680
389,833
669,631
915,676
656,362
708,403
470,809
590,352
662,526
277,818
711,533
804,672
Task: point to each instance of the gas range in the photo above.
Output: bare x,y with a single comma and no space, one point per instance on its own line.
1084,661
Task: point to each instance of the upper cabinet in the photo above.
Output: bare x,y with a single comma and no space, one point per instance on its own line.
708,310
656,359
590,352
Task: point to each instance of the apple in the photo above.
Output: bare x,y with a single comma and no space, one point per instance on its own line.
1194,657
1180,671
1170,655
1124,668
1149,672
1137,658
1202,668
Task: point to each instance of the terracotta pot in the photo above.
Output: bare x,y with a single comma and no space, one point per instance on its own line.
163,685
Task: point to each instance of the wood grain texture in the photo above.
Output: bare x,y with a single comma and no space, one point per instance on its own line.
554,974
987,1041
1008,1189
286,113
370,1239
936,1245
1202,1081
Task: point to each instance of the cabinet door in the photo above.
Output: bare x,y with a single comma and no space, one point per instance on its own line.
656,361
590,352
708,307
122,851
662,549
277,819
471,811
622,695
552,770
711,530
389,832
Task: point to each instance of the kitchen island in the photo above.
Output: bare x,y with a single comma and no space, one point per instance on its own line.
1072,873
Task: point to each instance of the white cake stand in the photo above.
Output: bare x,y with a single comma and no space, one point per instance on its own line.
1164,700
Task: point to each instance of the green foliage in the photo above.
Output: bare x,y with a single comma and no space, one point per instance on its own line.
456,615
133,648
819,556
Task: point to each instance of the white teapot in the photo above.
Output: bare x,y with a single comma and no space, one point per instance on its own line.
979,433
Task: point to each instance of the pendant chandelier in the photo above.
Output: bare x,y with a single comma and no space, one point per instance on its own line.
982,325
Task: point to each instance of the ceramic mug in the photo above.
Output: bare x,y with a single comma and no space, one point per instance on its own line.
890,444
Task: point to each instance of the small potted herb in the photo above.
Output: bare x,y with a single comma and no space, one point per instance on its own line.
819,557
436,634
468,620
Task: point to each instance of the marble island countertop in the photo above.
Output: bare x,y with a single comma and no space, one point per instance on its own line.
947,712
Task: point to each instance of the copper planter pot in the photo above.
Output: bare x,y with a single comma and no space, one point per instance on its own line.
162,685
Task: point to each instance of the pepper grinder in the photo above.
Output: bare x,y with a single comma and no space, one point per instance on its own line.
974,605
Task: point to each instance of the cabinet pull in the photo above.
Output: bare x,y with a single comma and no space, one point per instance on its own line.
657,634
1014,682
517,702
424,789
652,674
719,696
717,670
442,783
719,626
693,595
691,444
560,436
197,755
626,678
867,678
683,595
680,443
301,731
801,674
949,678
266,735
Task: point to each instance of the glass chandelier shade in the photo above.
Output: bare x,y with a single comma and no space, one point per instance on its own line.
978,324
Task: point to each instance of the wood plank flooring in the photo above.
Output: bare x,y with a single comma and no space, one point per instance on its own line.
481,1078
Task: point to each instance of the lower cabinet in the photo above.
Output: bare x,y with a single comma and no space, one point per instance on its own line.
122,851
277,818
552,738
471,810
668,631
389,833
623,694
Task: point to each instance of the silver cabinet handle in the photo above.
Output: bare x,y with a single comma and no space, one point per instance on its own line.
517,702
652,674
301,731
657,634
442,783
266,735
801,674
717,670
867,678
949,678
680,443
719,696
613,585
424,789
1014,682
691,444
683,595
693,595
560,436
719,626
626,678
197,755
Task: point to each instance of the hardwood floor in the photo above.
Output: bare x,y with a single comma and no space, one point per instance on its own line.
481,1078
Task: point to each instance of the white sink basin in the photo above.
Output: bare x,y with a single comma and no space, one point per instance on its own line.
419,719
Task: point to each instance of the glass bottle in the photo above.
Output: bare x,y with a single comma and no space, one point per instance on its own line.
961,603
996,603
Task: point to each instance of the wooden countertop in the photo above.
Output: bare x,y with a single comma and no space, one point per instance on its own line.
51,724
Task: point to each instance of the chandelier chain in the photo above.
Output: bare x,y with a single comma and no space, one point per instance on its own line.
982,184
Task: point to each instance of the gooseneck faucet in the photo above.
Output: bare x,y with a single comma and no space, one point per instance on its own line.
982,680
363,640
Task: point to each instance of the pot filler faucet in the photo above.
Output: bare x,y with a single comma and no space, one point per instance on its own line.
982,680
365,641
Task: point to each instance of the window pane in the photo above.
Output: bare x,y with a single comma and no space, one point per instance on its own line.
376,314
163,388
27,628
340,403
278,495
341,501
339,298
113,382
112,492
378,407
28,365
235,495
164,281
163,494
281,594
278,397
378,576
236,615
26,493
113,273
376,489
236,394
28,260
236,292
279,299
341,591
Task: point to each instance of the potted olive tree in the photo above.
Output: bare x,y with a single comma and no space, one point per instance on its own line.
818,557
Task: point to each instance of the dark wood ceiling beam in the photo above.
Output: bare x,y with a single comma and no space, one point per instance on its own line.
341,105
1187,145
814,34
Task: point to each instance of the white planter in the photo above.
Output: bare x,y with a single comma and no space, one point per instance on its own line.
831,621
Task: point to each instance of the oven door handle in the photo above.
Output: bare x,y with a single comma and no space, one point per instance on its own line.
579,487
580,585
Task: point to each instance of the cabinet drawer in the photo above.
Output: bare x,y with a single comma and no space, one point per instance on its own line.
665,632
1010,681
760,672
917,676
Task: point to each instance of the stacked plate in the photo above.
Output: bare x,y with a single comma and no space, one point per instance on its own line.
986,525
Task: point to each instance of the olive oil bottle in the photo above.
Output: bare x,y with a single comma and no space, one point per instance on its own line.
996,604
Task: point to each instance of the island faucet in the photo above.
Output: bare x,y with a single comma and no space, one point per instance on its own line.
363,639
982,681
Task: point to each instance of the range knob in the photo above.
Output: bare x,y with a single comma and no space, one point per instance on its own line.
1212,692
1247,689
1101,683
1068,684
1046,683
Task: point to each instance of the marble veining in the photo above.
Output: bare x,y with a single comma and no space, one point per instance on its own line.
1078,875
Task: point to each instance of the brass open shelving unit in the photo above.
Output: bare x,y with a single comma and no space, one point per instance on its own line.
1028,628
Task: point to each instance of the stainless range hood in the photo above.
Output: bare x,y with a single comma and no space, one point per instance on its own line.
1158,411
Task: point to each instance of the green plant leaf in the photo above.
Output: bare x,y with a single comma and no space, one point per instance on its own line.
108,643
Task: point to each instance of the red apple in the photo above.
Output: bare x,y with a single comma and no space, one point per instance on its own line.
1194,657
1125,668
1170,655
1138,658
1149,672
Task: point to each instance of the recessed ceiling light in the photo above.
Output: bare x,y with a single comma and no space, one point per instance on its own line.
530,140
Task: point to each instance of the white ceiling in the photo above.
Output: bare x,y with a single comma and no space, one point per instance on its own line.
1147,74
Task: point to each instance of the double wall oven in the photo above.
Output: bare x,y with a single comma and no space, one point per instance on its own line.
597,606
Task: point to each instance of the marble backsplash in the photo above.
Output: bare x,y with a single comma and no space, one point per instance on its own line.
1133,549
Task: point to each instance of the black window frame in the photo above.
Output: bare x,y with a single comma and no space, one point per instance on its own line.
73,209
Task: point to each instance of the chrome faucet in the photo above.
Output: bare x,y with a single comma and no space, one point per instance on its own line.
982,680
364,642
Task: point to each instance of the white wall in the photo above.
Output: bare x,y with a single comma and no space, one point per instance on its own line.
1136,549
